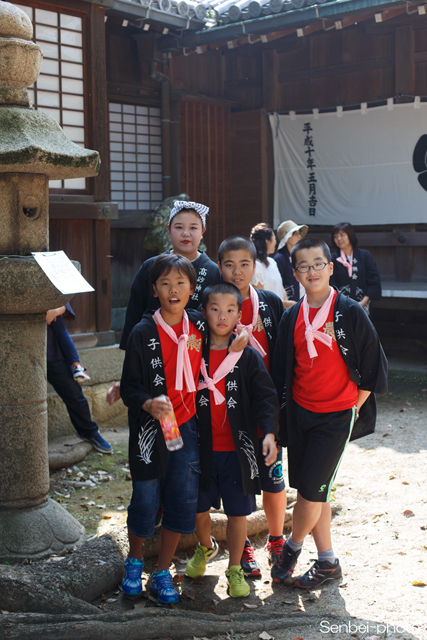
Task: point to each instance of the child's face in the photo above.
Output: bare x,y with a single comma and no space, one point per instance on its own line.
186,232
222,313
237,267
173,291
315,282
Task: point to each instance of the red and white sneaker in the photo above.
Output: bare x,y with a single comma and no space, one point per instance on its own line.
248,561
274,550
80,374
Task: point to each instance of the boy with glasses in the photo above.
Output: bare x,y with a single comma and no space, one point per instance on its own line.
327,363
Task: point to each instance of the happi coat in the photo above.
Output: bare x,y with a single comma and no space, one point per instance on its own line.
270,310
252,401
283,259
360,349
365,279
143,378
141,295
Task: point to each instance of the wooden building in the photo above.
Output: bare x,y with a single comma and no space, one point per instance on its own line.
174,108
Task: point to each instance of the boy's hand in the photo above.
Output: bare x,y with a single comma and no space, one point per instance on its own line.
158,407
113,393
269,449
241,341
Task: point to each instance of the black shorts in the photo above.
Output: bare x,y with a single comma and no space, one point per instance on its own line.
226,485
315,448
271,477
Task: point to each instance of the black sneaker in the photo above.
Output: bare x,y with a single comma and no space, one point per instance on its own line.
282,571
248,561
319,573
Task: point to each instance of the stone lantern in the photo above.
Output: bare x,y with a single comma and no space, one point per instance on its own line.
33,150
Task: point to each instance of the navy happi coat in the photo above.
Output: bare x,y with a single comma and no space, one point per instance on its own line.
252,401
143,378
360,349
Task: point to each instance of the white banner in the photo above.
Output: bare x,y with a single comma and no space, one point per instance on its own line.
351,166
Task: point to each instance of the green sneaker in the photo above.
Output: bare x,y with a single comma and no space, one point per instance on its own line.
237,585
196,566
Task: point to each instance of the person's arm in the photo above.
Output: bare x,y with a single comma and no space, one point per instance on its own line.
159,407
52,314
364,300
258,286
362,396
269,449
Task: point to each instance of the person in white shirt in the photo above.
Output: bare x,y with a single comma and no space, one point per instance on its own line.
267,275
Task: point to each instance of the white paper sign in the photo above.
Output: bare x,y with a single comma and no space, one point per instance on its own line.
61,272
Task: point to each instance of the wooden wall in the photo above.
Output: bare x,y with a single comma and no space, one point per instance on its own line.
205,165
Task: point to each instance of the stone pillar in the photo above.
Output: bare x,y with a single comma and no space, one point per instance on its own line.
33,149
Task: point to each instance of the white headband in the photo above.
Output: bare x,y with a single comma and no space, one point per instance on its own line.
200,209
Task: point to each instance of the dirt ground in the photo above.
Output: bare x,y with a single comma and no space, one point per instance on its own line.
380,535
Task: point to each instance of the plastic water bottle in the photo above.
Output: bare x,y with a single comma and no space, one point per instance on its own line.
171,431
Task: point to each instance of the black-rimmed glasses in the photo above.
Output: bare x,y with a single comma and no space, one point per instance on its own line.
319,266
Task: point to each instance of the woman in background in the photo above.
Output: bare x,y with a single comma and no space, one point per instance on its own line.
267,275
355,271
288,234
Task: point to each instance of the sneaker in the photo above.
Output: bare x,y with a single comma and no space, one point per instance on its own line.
248,562
319,573
161,586
98,442
196,566
80,374
273,549
283,571
237,585
132,583
158,519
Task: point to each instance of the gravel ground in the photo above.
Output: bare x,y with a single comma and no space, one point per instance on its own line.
380,536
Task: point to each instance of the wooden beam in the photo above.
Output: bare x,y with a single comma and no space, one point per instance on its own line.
390,13
338,69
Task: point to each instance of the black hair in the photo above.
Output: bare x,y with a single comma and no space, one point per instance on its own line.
222,288
164,264
309,243
236,243
348,229
259,234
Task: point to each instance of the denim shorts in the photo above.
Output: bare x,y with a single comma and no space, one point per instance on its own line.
177,491
226,484
271,477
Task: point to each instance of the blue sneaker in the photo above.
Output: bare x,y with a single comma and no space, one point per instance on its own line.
132,583
98,442
161,586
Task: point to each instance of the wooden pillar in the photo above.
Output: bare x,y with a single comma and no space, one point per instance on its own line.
270,84
99,140
404,61
102,275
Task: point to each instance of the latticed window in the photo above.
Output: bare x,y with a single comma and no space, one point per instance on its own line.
59,90
136,156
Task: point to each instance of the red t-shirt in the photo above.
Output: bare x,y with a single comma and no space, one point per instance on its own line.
222,439
321,384
258,332
183,402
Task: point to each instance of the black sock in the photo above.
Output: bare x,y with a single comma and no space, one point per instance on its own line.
274,538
